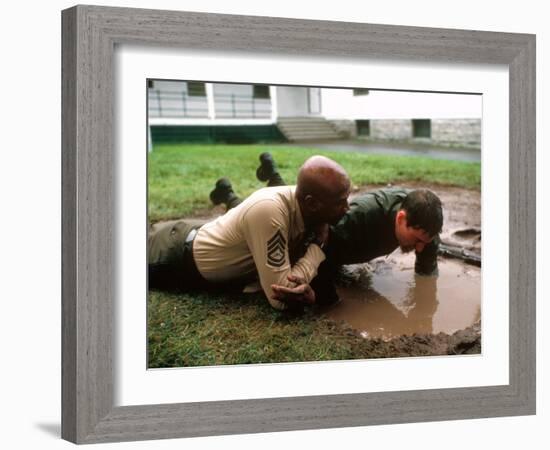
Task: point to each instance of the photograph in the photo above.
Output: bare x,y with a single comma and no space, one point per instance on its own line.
311,223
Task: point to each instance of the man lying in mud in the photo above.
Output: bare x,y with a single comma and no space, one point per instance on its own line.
377,223
276,235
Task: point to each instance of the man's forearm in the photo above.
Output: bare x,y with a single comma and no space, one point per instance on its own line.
426,261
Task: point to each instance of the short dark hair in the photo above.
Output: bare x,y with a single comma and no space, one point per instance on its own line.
424,211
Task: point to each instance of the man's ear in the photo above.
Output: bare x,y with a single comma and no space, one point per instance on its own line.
401,217
311,203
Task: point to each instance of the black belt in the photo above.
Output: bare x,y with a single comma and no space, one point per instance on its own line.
193,278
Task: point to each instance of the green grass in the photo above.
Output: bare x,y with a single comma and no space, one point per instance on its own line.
180,177
214,328
186,330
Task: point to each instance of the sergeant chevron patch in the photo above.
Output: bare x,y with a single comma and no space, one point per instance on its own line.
276,247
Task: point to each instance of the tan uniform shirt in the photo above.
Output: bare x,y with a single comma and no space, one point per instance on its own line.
255,237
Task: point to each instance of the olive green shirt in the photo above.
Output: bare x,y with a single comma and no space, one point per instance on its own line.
367,231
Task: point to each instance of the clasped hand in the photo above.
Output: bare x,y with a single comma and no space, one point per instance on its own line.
301,293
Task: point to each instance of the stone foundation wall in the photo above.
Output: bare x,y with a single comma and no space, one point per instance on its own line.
391,129
465,132
345,128
457,131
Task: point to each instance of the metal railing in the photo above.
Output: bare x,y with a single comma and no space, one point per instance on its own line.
176,104
173,104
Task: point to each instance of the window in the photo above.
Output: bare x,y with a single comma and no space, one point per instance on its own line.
261,91
196,89
363,127
360,91
422,128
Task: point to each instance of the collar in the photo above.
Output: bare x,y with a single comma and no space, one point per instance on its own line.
297,220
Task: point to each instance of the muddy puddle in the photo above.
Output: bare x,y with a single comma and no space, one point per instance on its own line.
386,299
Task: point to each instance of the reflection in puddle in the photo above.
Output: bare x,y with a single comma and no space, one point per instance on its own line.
389,300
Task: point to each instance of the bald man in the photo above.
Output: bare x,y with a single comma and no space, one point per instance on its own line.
377,223
276,236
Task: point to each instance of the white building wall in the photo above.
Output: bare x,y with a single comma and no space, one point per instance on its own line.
292,101
342,104
237,101
229,99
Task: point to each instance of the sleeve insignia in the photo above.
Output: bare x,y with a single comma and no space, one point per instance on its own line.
276,247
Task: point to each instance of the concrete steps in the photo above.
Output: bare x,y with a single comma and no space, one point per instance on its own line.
307,129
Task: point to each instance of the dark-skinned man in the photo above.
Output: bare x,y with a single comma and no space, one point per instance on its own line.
275,235
377,223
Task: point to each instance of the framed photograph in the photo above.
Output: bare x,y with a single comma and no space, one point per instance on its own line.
231,139
143,89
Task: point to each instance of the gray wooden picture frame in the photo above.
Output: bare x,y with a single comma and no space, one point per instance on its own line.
89,36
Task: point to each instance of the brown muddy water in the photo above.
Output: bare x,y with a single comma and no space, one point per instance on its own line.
386,299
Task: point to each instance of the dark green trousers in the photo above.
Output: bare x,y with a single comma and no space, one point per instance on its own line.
170,256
